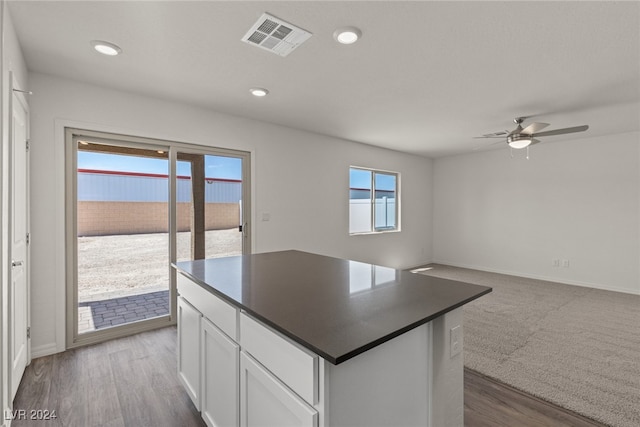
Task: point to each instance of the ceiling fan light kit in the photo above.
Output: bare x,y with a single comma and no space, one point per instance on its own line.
516,141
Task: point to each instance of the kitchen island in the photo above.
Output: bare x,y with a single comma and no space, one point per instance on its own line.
294,338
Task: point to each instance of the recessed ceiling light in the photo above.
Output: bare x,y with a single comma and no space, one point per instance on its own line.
258,91
106,48
347,35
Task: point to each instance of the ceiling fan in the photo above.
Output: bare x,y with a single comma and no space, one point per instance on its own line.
524,137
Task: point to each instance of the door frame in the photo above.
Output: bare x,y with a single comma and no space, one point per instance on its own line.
72,135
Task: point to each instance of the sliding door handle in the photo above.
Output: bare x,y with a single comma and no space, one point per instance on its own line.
16,263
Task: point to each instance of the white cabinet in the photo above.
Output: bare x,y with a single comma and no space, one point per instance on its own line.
290,363
240,372
208,359
219,372
266,401
262,381
219,312
189,320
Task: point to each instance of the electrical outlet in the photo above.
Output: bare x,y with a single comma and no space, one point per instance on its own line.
455,340
555,262
565,263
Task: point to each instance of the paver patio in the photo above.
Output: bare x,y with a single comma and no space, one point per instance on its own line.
111,267
93,315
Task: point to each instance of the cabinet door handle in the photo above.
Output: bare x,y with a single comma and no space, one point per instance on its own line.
16,263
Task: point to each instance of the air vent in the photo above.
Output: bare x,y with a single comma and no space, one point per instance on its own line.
275,35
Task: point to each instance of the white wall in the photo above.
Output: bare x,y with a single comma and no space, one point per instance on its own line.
577,200
11,60
580,199
301,179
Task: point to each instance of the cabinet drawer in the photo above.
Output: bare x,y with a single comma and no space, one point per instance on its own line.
219,312
293,365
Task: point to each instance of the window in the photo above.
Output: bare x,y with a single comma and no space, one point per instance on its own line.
373,201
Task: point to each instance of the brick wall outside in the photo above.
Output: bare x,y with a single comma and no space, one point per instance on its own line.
109,218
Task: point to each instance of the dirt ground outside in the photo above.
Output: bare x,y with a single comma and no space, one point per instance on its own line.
114,266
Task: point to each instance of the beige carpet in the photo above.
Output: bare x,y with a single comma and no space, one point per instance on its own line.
576,347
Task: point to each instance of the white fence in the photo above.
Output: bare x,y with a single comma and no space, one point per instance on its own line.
360,214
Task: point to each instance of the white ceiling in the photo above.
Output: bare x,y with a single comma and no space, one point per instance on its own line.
425,78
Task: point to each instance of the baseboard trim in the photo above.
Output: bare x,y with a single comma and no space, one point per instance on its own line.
539,277
44,350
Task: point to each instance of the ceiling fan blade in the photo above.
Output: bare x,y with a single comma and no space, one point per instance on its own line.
499,134
515,131
534,141
533,128
562,131
485,137
481,147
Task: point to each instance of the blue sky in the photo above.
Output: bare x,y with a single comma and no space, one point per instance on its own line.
215,166
361,178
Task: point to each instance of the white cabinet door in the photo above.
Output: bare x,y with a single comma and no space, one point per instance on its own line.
189,320
265,401
220,371
294,366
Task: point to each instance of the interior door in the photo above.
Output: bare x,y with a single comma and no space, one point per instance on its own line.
18,314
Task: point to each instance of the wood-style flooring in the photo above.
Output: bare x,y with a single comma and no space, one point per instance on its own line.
132,381
129,381
490,403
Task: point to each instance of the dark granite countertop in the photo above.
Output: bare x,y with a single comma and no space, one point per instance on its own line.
334,307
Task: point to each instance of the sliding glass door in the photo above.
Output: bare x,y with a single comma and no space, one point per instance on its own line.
122,209
209,206
134,206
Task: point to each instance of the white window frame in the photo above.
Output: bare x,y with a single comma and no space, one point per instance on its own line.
373,229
